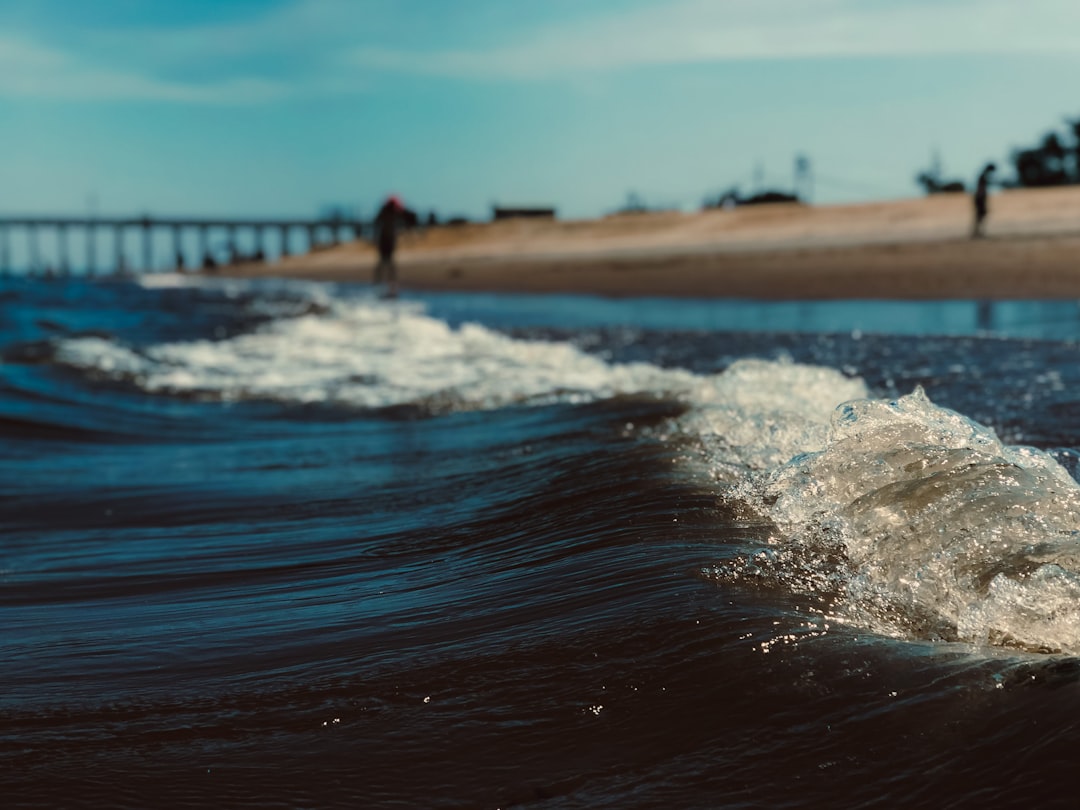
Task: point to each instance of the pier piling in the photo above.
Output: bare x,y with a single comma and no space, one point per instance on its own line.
178,248
118,246
35,249
5,250
148,246
62,249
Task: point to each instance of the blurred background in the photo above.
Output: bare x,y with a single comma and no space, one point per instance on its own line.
299,107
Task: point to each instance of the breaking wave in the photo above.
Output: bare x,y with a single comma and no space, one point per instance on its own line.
900,516
919,523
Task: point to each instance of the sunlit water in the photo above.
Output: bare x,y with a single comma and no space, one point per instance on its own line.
292,545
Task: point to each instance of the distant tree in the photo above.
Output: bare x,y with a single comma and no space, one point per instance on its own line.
1052,163
1074,128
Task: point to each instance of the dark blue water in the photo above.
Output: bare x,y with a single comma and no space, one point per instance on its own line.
291,546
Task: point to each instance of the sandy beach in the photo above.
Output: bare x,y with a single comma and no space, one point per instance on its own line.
908,249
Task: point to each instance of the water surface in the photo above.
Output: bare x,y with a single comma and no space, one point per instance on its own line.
292,545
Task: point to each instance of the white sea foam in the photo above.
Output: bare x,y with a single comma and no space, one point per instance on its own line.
374,355
928,526
760,413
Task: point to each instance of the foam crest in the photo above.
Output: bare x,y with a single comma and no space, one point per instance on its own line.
925,525
760,413
373,355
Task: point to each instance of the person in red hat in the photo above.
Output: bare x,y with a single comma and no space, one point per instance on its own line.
391,218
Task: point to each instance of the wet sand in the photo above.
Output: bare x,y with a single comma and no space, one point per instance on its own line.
908,249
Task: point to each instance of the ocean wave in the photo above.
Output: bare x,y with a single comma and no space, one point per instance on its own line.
922,524
903,517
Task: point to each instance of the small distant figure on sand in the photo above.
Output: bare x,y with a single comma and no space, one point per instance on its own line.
392,217
982,186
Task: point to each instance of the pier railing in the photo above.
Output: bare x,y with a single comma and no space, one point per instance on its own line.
313,233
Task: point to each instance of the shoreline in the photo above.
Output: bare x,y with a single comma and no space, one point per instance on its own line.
915,249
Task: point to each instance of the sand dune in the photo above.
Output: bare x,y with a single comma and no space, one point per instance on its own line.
915,248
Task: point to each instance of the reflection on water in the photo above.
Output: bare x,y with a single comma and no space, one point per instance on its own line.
1056,320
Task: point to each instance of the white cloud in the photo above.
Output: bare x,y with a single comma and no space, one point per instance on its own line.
31,70
337,47
293,49
688,31
301,27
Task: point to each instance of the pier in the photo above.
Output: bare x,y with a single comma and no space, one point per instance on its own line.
292,235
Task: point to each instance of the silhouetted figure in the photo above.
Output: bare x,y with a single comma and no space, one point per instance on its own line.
982,186
390,219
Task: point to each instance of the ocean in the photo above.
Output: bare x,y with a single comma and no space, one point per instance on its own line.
275,544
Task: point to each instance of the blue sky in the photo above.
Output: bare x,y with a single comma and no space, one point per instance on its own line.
279,107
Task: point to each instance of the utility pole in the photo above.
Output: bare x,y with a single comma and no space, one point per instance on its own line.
804,178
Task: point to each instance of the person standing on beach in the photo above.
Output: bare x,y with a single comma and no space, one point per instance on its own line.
982,186
388,221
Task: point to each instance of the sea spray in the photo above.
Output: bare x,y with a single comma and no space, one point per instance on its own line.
928,527
758,414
